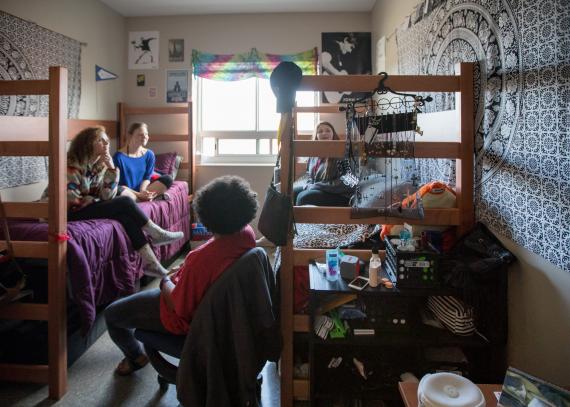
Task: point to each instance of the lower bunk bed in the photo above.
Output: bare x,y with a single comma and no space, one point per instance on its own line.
102,267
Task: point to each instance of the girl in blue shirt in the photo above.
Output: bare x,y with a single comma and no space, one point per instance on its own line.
136,163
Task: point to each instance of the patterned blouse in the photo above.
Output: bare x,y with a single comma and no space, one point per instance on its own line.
90,183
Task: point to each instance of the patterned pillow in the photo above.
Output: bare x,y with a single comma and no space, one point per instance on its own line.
165,163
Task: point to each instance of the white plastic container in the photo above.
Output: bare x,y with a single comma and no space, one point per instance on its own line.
449,390
374,268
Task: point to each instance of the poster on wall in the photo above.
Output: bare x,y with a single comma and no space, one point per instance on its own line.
143,49
140,79
152,92
345,53
176,50
176,86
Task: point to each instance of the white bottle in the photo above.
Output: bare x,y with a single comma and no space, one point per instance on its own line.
374,268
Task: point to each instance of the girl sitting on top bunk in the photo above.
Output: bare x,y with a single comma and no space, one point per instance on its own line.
138,180
91,188
324,184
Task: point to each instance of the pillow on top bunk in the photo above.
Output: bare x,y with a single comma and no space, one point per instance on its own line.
167,164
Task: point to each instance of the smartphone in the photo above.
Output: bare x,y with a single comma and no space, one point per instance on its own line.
359,283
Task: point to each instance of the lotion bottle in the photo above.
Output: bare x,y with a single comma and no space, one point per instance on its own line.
374,268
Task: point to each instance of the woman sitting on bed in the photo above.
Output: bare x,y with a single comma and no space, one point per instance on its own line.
91,188
138,180
324,184
225,206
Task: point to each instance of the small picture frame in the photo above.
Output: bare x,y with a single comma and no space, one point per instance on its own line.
176,50
176,86
140,79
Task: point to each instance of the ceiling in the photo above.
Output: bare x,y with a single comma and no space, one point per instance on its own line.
140,8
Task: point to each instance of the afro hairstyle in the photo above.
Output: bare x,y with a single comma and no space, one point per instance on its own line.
226,204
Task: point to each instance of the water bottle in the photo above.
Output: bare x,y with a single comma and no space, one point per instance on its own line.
333,266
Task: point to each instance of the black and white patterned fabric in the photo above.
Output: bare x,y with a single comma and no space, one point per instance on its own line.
26,52
453,314
522,104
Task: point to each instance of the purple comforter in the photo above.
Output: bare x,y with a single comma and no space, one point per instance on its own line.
102,265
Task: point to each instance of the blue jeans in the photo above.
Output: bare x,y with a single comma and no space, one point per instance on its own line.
140,310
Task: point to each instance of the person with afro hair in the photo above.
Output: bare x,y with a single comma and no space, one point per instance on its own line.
225,206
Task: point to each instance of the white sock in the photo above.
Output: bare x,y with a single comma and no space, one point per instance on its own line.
159,236
151,265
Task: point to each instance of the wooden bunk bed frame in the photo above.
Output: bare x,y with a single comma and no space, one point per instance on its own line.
54,250
124,111
462,217
26,137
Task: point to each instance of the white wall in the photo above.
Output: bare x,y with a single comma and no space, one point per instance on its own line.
273,33
539,292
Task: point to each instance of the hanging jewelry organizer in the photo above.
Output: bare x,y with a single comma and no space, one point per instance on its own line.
381,134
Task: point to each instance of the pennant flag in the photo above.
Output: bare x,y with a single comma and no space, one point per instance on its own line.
101,74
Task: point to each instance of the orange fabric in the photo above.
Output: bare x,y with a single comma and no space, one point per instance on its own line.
435,194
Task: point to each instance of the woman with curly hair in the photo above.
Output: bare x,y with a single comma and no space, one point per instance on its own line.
91,194
225,206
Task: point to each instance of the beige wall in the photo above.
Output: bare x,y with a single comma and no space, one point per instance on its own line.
92,22
539,292
386,16
274,33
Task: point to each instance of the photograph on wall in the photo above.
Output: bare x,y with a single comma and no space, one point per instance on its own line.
176,86
152,92
345,53
176,50
140,79
143,49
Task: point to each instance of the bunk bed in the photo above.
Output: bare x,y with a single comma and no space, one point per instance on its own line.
90,263
461,217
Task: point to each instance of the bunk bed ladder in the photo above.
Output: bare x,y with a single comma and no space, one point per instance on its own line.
54,250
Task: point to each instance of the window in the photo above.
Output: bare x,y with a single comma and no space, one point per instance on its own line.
237,120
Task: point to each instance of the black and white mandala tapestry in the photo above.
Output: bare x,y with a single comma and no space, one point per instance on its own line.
26,52
522,109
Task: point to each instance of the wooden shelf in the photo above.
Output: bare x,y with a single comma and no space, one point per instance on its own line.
301,389
312,214
336,148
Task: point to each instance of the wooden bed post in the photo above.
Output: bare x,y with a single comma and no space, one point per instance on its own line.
57,267
286,277
191,149
465,165
122,125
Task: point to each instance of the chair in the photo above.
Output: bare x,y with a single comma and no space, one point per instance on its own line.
156,343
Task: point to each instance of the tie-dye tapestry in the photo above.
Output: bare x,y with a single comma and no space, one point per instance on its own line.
522,109
235,67
26,52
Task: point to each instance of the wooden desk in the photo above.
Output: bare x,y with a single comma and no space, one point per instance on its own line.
409,393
